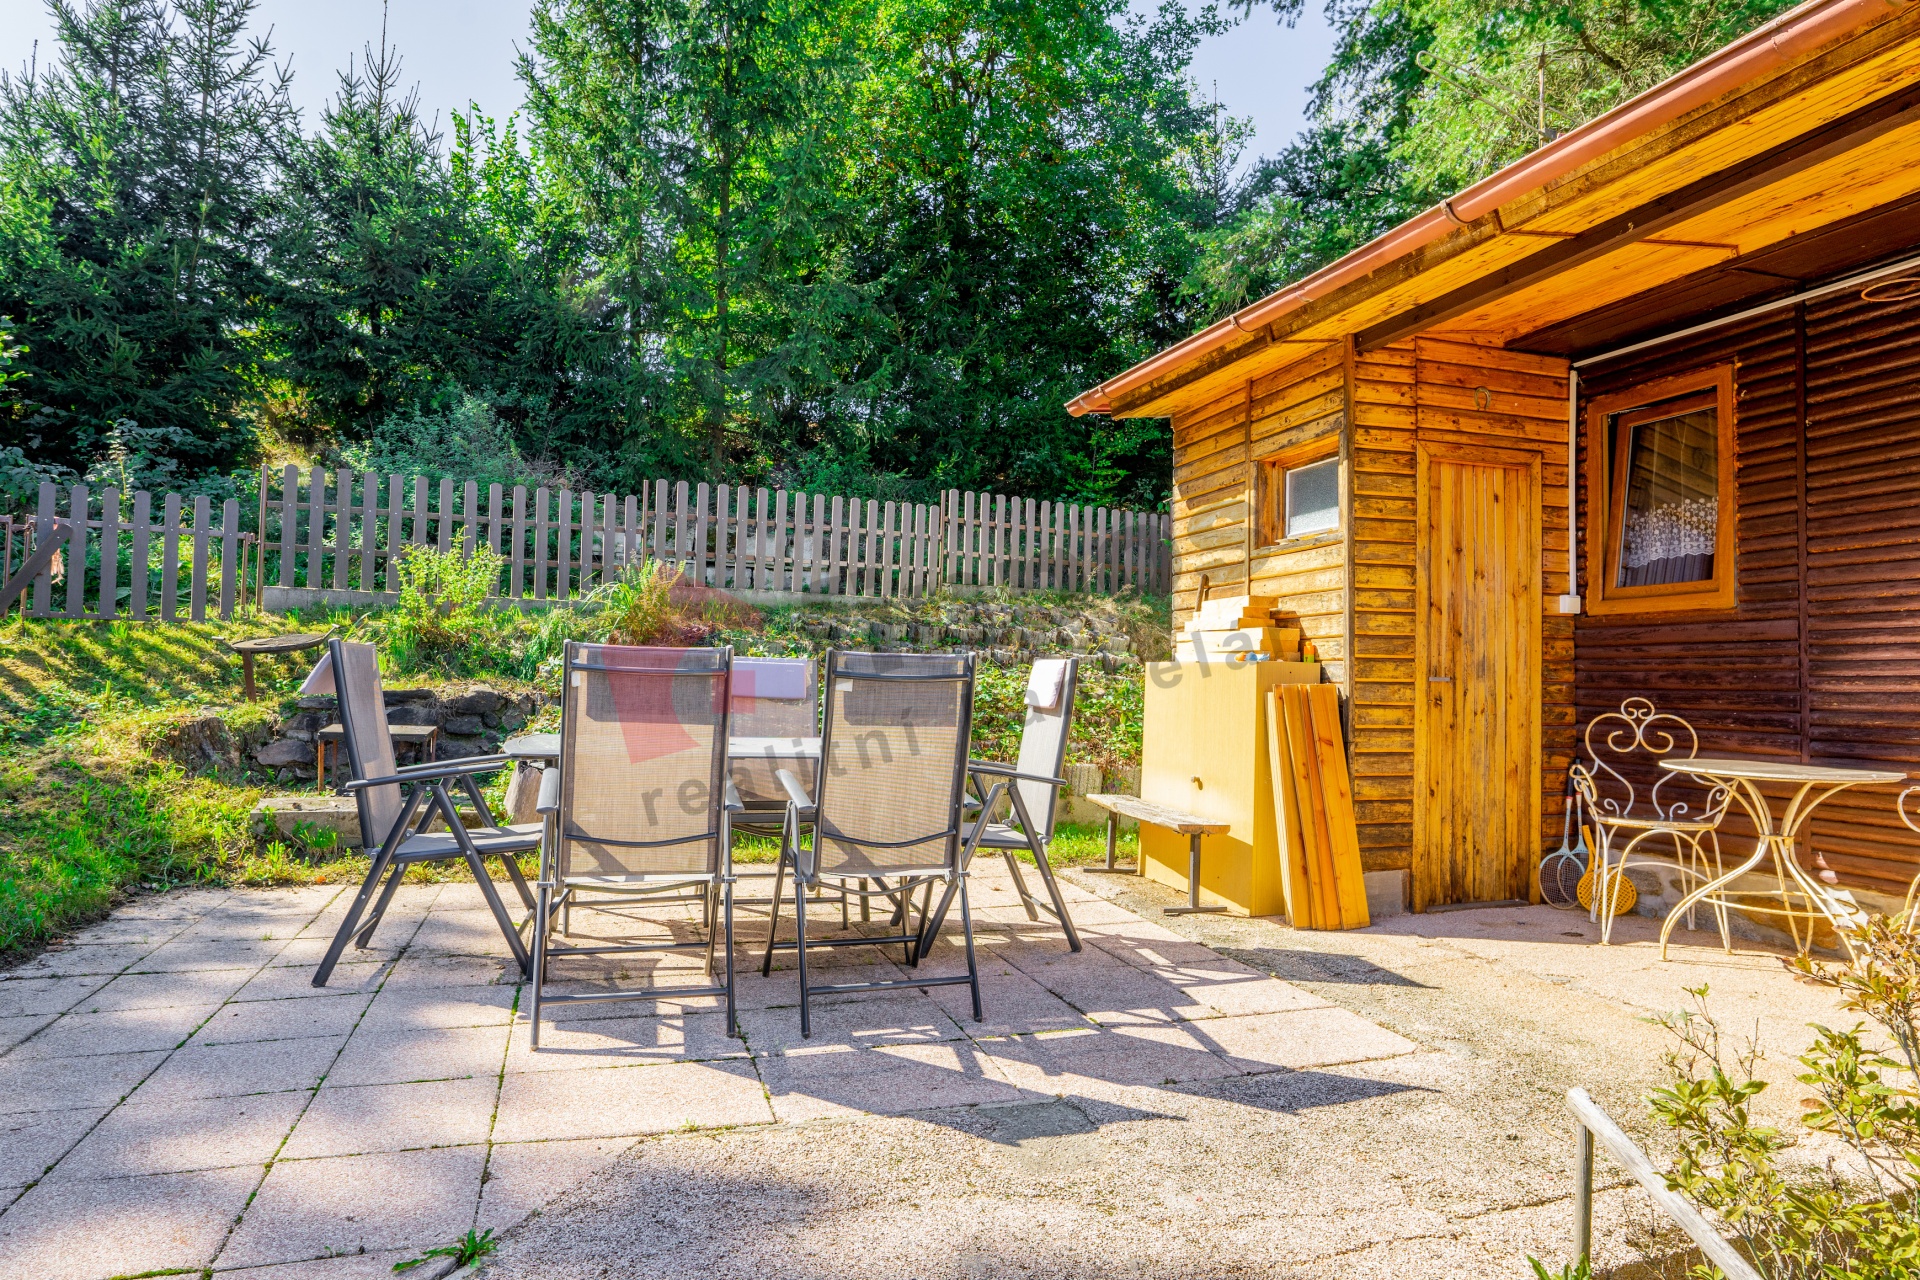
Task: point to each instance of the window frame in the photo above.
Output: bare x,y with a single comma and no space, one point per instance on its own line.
1272,490
1606,495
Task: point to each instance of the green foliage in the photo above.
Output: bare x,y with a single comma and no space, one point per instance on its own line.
467,440
469,1249
135,176
637,607
446,618
1802,1227
1424,97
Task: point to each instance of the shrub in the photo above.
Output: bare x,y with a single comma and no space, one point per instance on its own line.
446,617
637,607
1821,1226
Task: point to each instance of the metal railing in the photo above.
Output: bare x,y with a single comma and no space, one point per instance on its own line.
1592,1123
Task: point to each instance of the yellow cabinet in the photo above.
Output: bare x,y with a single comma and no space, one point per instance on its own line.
1206,753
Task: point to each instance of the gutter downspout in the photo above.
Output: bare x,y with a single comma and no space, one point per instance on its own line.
1570,602
1748,59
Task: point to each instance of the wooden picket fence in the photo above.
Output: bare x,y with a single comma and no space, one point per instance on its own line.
338,536
118,559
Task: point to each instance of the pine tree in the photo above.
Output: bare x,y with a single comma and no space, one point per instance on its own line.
133,211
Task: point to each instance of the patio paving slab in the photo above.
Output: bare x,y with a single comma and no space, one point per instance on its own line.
25,996
612,1102
178,1136
638,1038
361,1119
32,1140
58,1084
523,1176
885,1080
119,1031
253,1020
164,990
234,1070
420,1053
89,1230
307,1209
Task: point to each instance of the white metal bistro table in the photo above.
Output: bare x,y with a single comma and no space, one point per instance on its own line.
1814,784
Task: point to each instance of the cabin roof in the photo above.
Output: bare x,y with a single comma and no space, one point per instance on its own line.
1785,157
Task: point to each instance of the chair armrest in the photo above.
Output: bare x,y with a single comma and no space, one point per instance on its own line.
796,794
1007,771
549,801
432,771
732,798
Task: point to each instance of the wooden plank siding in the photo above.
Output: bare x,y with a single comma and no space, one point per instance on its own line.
1462,394
1213,448
1818,659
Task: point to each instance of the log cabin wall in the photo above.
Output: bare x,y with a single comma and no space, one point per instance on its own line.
1213,448
1456,393
1820,658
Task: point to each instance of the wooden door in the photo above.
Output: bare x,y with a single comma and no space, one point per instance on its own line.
1477,696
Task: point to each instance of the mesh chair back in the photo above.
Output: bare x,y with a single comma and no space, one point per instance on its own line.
643,750
773,698
894,753
363,726
1043,748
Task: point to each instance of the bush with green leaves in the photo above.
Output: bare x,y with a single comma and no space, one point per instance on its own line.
447,618
1856,1217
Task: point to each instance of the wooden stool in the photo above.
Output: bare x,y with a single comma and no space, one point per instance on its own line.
424,736
248,649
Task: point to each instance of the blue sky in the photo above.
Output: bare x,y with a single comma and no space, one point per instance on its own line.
458,50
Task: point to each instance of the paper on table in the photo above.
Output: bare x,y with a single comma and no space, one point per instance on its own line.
1045,683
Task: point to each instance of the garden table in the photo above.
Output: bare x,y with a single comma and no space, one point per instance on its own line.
1814,783
250,649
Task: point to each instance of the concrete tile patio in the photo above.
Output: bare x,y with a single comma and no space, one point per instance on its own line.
176,1094
172,1072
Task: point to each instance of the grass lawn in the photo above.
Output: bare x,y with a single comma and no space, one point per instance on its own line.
90,811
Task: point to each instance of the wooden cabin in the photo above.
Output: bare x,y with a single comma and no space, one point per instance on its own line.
1688,334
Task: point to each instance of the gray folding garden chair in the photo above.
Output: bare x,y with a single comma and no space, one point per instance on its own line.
640,806
1033,786
886,812
396,805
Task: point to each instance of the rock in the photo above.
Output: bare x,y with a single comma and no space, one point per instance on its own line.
285,751
323,702
281,816
463,748
480,701
410,695
204,742
1116,644
413,713
465,725
1004,657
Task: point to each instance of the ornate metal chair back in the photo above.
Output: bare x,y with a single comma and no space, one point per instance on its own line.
1621,775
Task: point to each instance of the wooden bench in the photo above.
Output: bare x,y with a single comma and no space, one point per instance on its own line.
1190,825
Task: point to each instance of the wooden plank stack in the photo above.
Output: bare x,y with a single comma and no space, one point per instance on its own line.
1233,629
1320,871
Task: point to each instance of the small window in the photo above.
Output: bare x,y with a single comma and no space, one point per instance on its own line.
1662,457
1313,498
1300,491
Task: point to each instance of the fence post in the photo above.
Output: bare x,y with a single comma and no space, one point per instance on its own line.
1582,1193
137,564
170,559
197,584
109,553
229,554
